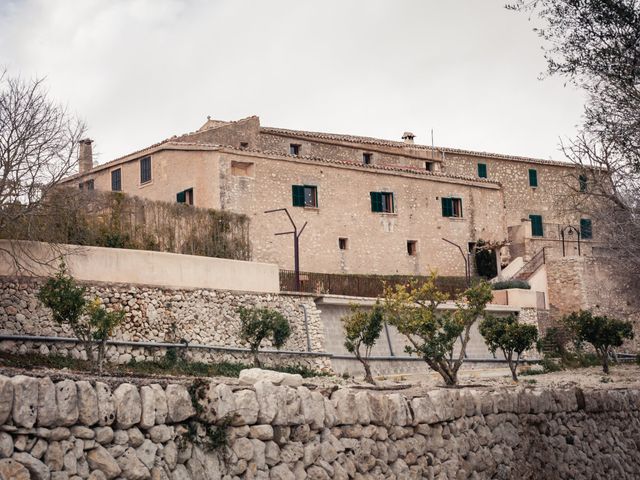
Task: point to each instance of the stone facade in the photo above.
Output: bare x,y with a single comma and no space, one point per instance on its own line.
96,430
243,167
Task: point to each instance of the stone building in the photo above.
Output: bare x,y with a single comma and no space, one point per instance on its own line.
373,206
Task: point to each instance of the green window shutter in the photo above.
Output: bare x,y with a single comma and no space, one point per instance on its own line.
586,231
181,197
298,195
533,177
583,183
537,229
376,202
482,170
447,207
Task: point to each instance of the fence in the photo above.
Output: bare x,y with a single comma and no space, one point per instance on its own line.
360,285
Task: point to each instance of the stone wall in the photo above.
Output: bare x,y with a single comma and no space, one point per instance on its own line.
594,284
209,431
153,314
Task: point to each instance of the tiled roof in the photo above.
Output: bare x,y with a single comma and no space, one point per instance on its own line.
410,146
390,168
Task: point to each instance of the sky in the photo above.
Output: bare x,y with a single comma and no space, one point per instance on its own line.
139,71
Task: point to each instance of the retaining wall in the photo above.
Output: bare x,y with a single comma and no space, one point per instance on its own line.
94,429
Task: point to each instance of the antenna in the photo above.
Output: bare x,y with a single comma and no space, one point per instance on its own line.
433,150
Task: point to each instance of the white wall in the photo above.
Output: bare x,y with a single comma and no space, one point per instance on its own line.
119,265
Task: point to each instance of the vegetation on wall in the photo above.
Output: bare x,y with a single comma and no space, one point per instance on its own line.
485,260
112,219
361,330
506,284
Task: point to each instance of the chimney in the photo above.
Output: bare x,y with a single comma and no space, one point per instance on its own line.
408,137
85,155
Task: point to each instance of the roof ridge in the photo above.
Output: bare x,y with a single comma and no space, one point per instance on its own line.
396,143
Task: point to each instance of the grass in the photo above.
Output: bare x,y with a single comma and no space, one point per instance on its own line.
170,365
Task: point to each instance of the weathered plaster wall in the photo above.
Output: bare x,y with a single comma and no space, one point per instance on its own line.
377,242
91,429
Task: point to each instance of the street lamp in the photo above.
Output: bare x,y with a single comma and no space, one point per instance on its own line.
296,244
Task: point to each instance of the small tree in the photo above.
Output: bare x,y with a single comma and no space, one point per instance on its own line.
89,322
510,336
102,324
256,324
602,332
432,333
362,329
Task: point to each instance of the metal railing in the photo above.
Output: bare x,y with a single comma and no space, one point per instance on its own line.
360,285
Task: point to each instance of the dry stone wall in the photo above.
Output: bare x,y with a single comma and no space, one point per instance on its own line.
88,429
204,317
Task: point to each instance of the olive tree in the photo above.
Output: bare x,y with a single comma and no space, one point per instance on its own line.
510,336
257,324
361,330
90,322
602,332
433,332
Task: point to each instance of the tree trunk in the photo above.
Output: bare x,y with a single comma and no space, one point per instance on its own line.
513,367
605,361
256,360
101,350
367,371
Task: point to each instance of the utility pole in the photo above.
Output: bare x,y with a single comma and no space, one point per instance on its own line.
296,243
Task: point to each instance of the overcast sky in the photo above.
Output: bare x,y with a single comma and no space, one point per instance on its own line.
138,71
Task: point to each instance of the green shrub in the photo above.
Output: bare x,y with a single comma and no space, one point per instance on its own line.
505,284
256,324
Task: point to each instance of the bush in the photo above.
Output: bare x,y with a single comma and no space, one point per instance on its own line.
485,261
256,324
505,284
509,336
602,332
362,329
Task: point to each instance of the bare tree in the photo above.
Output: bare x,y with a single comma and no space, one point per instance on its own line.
595,44
38,148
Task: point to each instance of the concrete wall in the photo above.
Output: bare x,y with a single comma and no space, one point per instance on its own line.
52,430
140,267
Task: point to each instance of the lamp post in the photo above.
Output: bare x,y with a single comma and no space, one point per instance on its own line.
467,273
296,243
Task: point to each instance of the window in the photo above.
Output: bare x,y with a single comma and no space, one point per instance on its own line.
451,207
342,243
583,182
537,230
294,149
116,180
90,184
482,170
305,196
382,202
586,231
366,158
244,145
145,169
533,177
412,247
186,196
428,166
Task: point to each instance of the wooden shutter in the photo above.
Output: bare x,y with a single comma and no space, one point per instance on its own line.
583,183
585,229
181,197
447,207
482,170
537,229
533,177
297,192
376,202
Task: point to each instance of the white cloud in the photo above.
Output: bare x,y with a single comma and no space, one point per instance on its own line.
141,70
